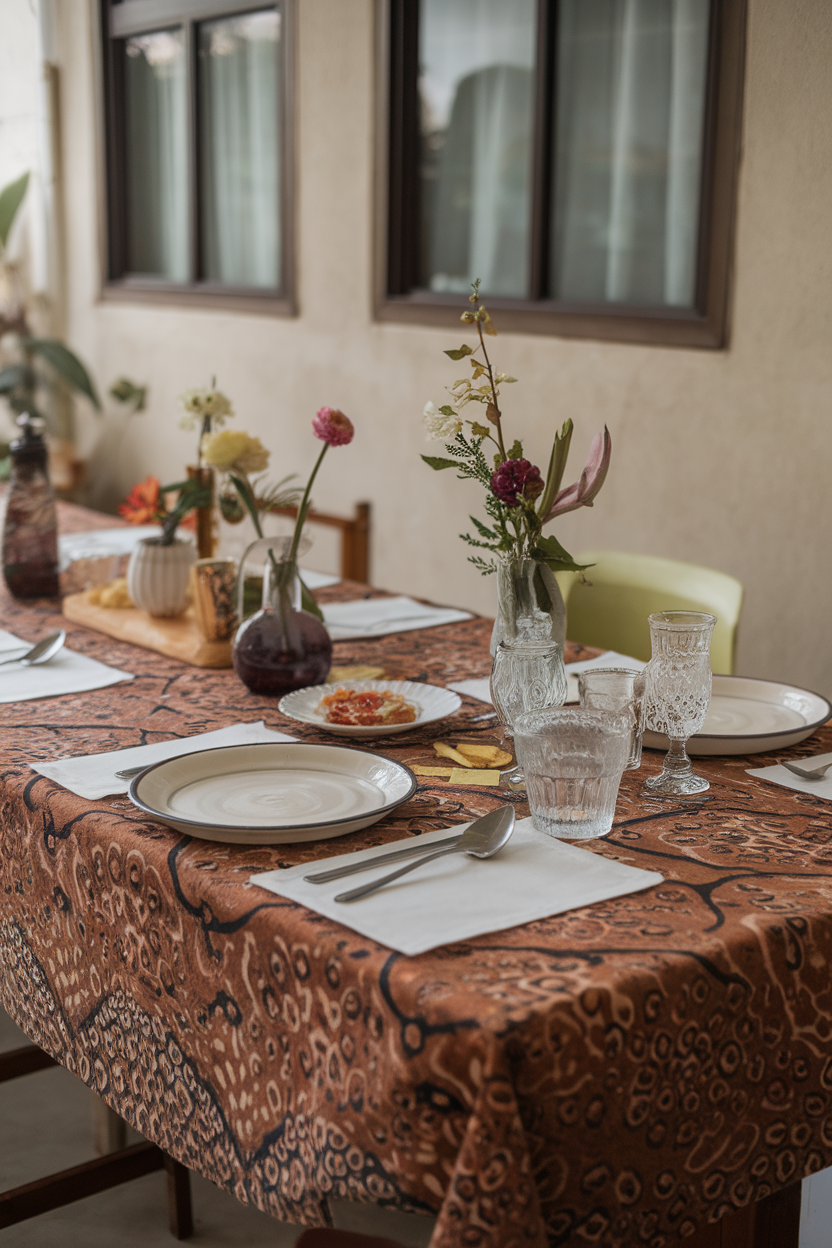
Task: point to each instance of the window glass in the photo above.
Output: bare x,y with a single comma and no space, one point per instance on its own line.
156,116
239,171
476,70
630,103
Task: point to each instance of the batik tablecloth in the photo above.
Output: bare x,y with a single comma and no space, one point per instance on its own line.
621,1074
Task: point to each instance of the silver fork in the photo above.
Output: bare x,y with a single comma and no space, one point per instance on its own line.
807,773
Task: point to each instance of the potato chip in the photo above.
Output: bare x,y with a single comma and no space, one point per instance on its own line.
356,671
447,751
488,754
491,779
432,771
114,594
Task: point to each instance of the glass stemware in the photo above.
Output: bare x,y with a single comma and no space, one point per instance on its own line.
678,693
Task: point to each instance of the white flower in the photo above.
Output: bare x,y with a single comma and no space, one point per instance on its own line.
198,404
503,377
440,426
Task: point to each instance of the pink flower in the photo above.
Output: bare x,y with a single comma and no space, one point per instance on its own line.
333,427
583,492
516,479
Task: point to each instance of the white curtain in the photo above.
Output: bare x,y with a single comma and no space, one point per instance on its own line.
157,155
630,110
476,61
239,103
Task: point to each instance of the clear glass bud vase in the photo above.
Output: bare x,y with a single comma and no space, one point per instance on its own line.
281,647
529,604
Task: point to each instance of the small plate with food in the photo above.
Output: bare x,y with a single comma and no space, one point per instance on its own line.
370,708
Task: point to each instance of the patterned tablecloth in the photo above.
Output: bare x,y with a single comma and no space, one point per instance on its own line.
623,1073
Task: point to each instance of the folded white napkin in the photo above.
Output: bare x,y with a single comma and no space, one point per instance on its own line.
374,617
781,775
481,689
318,580
67,672
457,897
94,775
99,543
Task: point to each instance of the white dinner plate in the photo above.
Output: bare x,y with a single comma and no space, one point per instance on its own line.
272,792
749,716
431,702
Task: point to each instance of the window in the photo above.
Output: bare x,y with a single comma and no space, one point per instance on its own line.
578,156
198,151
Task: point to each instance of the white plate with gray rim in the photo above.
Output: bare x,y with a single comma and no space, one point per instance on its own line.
272,793
750,716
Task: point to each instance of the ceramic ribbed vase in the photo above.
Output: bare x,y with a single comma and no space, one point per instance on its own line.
157,576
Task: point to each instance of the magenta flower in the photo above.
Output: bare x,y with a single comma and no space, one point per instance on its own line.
582,493
333,427
516,480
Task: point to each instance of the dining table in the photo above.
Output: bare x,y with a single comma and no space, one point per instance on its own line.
635,1072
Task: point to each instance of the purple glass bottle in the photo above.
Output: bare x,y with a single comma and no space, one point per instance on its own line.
281,647
30,528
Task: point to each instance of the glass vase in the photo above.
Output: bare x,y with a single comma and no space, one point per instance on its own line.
207,528
281,647
529,604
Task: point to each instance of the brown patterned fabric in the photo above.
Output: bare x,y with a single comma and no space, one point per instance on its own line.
618,1075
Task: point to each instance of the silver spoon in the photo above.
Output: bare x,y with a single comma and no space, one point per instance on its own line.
484,838
808,773
42,652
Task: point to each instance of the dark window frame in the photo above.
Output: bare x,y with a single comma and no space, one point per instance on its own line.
119,19
707,325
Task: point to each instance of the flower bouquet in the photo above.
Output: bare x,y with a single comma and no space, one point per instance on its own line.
519,500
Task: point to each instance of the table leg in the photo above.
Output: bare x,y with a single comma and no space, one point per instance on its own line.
180,1215
109,1128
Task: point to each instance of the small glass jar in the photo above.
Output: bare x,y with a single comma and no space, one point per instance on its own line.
30,527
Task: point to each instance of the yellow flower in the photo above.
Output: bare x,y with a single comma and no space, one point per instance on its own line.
234,451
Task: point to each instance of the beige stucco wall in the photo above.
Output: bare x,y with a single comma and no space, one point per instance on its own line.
720,457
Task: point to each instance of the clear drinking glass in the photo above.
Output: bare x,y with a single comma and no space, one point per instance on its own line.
573,760
527,674
678,693
617,691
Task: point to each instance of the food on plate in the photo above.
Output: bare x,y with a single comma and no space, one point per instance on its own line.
469,755
113,594
367,708
489,779
356,671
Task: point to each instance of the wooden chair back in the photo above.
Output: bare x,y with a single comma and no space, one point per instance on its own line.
355,538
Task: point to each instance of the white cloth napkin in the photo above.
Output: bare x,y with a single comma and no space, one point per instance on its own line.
374,617
94,775
318,580
480,688
780,775
457,897
99,543
67,672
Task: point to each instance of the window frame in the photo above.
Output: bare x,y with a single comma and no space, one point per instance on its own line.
118,21
704,326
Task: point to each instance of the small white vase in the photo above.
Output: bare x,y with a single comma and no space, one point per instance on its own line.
157,576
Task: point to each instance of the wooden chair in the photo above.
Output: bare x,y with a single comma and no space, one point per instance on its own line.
121,1166
355,538
328,1237
610,609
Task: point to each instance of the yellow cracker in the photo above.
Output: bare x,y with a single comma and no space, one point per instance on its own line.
490,779
432,771
445,751
483,755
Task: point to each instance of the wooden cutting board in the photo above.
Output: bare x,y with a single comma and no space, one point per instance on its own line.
178,638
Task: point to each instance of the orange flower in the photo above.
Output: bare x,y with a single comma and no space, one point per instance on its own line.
143,504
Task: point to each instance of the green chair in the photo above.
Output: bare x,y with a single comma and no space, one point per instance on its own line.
610,610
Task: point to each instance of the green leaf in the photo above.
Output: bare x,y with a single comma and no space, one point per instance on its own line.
11,198
447,410
308,603
243,488
438,463
65,363
551,552
557,466
126,391
15,375
460,353
482,530
516,451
